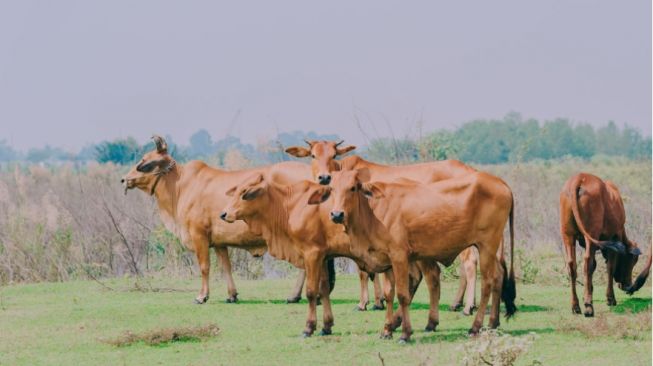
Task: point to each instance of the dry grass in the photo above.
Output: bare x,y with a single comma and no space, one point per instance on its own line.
64,223
167,335
630,326
493,348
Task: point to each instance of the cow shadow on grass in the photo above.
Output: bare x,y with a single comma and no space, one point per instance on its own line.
633,305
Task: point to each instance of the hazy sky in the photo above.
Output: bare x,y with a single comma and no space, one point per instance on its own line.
73,72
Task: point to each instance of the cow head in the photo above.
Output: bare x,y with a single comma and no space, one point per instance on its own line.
247,199
323,154
152,166
349,187
623,273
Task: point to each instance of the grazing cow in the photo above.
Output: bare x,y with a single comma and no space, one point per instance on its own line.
323,163
592,213
297,229
641,279
407,221
188,196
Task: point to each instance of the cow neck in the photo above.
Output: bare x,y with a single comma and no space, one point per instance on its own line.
275,218
167,190
363,223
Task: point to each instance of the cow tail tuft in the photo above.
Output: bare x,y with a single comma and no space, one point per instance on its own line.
509,287
331,269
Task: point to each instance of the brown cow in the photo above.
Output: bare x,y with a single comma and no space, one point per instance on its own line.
323,163
297,229
405,222
592,213
188,196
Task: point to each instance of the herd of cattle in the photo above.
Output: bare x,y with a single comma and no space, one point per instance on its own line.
400,221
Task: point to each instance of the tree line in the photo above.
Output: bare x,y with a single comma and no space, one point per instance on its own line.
496,141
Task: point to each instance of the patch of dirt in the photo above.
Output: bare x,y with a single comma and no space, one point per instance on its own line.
166,335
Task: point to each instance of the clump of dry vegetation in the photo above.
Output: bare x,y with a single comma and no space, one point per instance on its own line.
493,348
167,335
629,326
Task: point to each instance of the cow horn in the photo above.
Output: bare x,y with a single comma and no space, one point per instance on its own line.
309,143
161,145
339,143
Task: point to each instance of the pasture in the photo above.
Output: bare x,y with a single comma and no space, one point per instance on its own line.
71,323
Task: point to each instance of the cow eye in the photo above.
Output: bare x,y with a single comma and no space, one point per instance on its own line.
313,156
353,189
146,168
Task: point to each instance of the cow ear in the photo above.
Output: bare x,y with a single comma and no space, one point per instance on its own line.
252,193
344,150
372,190
231,191
319,195
363,175
298,151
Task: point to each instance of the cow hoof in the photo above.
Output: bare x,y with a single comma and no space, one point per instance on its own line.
402,340
325,332
386,336
201,300
306,334
470,311
293,300
232,299
576,309
359,308
589,310
430,328
612,302
455,307
378,307
472,332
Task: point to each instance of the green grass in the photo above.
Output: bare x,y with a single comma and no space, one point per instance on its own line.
68,324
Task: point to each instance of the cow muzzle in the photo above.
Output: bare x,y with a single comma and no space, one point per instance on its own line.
127,184
224,216
337,217
324,179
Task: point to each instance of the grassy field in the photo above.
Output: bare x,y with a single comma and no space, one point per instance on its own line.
71,323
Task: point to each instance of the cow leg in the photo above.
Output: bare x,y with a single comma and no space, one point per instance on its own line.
296,293
389,291
313,262
431,272
609,293
414,279
488,261
497,285
364,295
201,244
469,265
590,266
457,303
570,252
402,288
223,255
325,292
378,294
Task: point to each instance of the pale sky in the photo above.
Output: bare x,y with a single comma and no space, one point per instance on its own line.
74,72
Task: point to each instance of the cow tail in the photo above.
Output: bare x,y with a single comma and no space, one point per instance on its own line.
616,246
641,279
509,287
331,269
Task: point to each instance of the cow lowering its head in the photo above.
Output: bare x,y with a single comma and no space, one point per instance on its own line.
592,213
153,165
323,154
